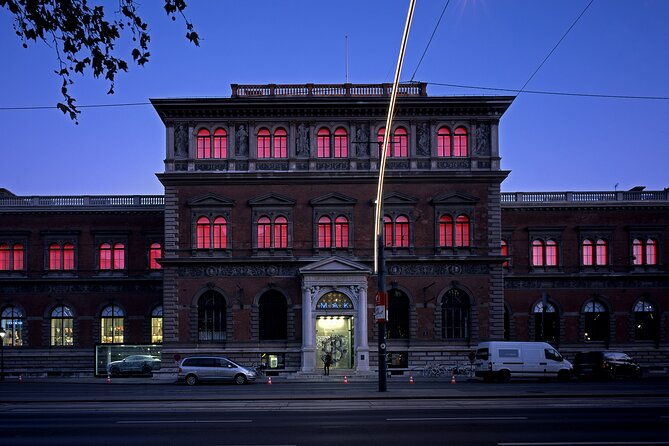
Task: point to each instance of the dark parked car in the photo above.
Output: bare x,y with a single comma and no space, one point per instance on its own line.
606,365
134,364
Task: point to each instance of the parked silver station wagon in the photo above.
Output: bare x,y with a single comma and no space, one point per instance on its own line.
213,368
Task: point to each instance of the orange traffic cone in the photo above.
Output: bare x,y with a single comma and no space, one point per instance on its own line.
345,380
410,379
453,378
108,379
269,380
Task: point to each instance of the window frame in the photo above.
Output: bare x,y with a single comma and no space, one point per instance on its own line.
60,322
110,315
12,256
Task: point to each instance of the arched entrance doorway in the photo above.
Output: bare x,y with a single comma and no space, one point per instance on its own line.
334,330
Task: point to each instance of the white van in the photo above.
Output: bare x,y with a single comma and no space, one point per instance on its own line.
502,360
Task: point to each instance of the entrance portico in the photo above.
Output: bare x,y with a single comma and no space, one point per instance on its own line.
334,303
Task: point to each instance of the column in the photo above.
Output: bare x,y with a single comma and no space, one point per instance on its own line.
362,343
308,333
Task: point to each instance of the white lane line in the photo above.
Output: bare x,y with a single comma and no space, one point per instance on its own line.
457,419
588,443
181,421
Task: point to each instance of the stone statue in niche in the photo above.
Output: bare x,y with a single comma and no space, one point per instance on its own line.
242,141
302,140
423,147
181,140
362,141
482,139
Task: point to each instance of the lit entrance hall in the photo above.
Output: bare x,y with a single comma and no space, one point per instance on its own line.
334,335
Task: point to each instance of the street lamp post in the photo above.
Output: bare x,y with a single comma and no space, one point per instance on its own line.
3,333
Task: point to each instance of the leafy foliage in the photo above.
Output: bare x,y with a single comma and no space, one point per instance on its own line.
84,37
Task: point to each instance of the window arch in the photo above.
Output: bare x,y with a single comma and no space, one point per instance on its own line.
546,322
504,251
220,233
596,321
460,141
646,321
203,144
446,229
323,142
396,231
211,317
12,321
61,257
11,257
157,325
272,234
334,300
111,324
595,253
211,236
341,232
398,315
455,315
398,144
462,230
111,256
644,251
62,326
264,143
340,143
273,316
280,232
324,232
220,143
444,144
155,253
544,253
280,143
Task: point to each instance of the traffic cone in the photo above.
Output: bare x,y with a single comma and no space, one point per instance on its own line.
269,380
453,378
410,379
345,380
108,379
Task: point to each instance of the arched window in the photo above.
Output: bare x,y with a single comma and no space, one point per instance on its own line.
264,233
341,232
220,233
155,253
595,253
280,143
111,324
203,144
546,323
462,230
586,252
444,146
203,233
646,321
341,143
387,231
68,256
446,229
455,314
118,252
602,252
334,300
220,143
105,256
157,325
538,253
324,232
11,257
280,232
264,144
544,253
644,252
596,327
379,138
396,232
551,253
273,316
504,251
460,142
112,257
13,322
323,143
211,317
400,143
62,326
61,257
398,315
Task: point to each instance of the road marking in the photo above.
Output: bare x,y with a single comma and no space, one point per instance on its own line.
587,443
181,421
457,419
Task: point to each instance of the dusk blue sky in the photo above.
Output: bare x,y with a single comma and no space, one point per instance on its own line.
548,142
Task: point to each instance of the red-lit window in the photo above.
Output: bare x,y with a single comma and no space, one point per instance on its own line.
61,257
379,139
602,252
462,230
323,143
324,232
444,142
220,233
105,256
280,232
118,252
398,145
551,253
264,144
340,143
504,246
11,257
387,231
596,253
111,256
446,231
644,253
341,232
544,253
538,253
155,253
203,233
203,144
402,232
586,252
280,143
220,143
460,142
264,233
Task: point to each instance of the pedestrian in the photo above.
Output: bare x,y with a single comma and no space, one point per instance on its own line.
326,364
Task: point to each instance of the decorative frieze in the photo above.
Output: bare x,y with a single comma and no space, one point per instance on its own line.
585,282
237,271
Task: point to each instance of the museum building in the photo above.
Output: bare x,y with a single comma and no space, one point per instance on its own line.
262,247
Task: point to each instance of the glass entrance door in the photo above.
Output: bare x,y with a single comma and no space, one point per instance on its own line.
334,335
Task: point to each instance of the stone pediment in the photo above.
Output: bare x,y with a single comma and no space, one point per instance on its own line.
455,198
210,200
335,265
398,199
272,199
333,199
